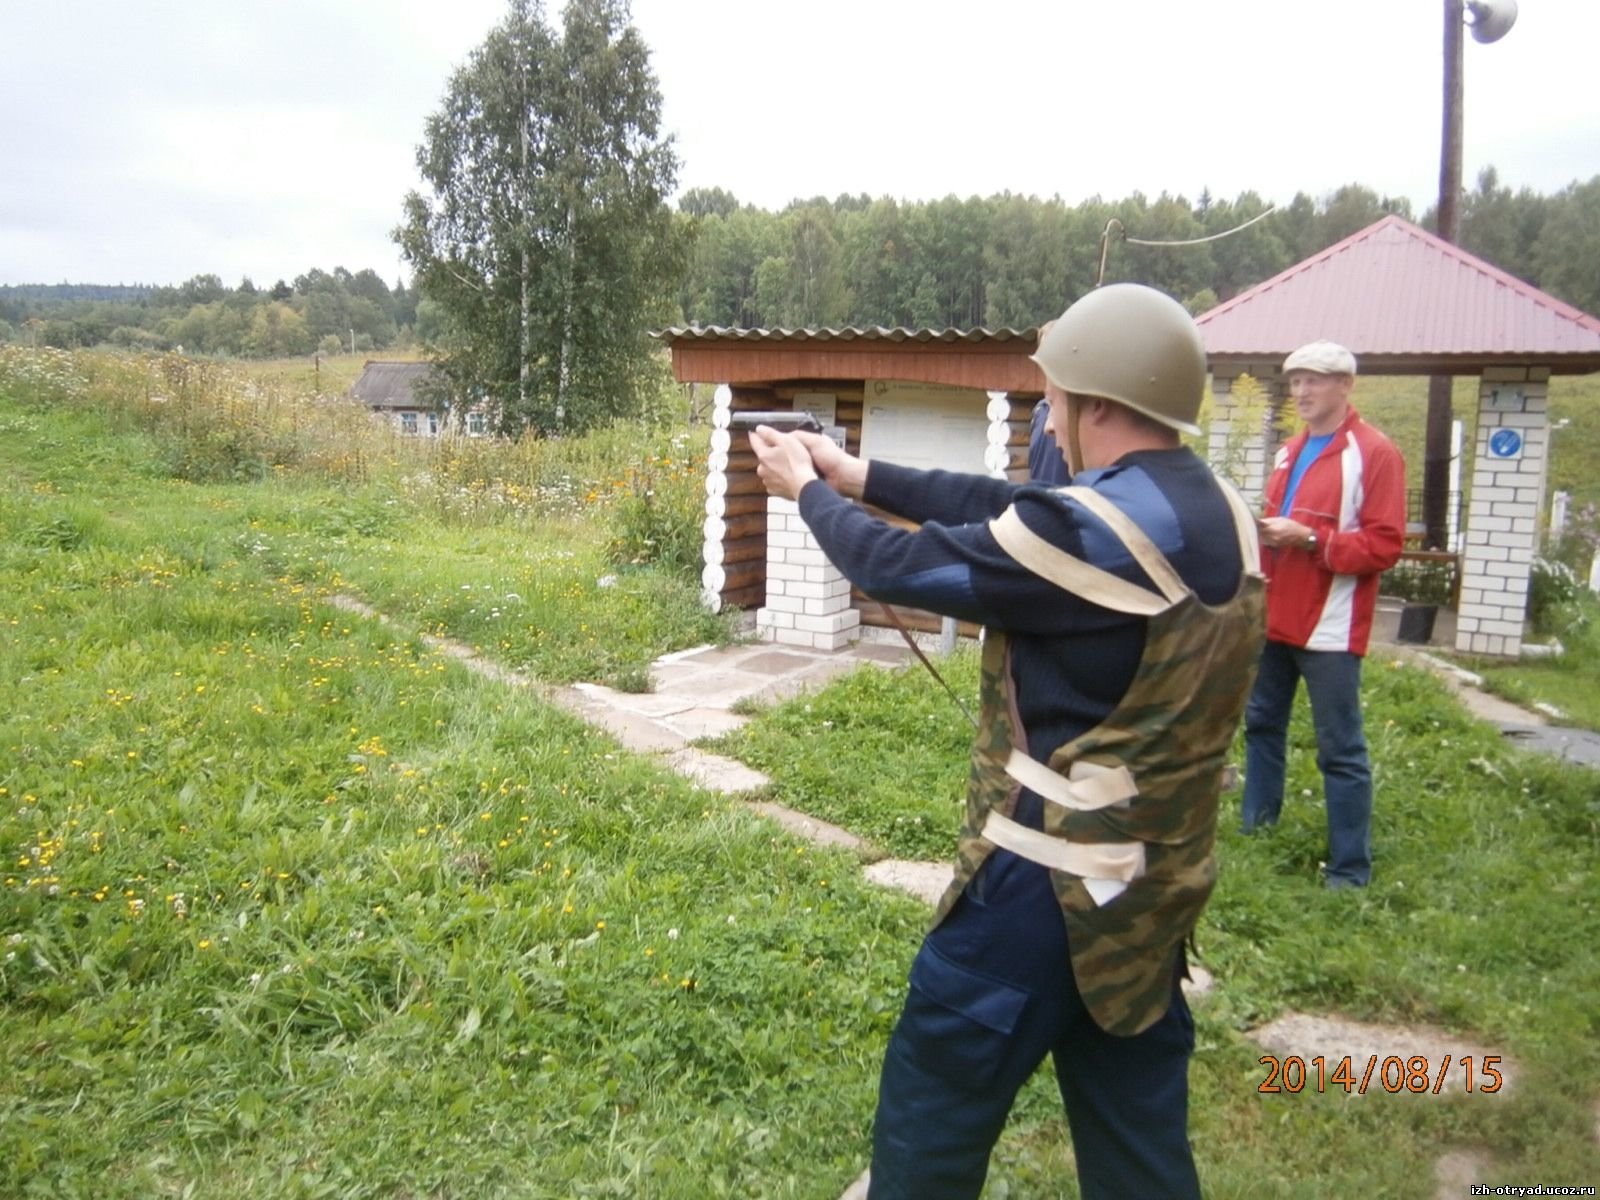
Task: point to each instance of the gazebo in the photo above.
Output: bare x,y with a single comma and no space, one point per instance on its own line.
1409,303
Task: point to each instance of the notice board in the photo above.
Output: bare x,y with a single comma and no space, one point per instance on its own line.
925,425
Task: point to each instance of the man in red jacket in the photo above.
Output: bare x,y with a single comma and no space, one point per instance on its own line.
1335,509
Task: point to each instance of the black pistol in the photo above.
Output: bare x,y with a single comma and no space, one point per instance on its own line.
784,422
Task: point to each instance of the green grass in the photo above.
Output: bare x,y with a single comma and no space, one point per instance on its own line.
873,755
1567,682
292,905
332,374
1571,691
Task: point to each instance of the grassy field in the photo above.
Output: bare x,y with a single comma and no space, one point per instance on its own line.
1567,683
294,906
328,373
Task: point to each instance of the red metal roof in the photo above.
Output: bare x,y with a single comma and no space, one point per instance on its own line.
1404,301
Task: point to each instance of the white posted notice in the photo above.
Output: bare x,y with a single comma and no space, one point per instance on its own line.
925,425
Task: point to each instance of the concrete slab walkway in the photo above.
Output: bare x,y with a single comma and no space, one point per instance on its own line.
696,693
1528,729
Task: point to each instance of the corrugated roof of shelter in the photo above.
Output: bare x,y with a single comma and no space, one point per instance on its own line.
1401,298
873,333
391,384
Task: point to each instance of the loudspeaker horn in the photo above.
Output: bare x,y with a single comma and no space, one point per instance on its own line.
1491,19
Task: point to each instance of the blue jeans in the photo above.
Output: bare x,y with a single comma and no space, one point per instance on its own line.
1333,685
992,992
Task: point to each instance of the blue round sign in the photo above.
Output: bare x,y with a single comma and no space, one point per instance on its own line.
1505,443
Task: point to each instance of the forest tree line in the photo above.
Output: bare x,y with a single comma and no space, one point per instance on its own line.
997,261
319,311
1014,261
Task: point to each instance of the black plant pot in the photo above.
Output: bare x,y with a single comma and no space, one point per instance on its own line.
1416,623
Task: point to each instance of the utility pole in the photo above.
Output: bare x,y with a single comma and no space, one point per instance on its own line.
1436,440
1491,20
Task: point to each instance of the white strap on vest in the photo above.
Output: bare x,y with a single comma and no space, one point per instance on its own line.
1120,861
1087,787
1139,545
1244,522
1070,573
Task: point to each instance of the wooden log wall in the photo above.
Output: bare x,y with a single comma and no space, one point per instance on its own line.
735,551
1021,422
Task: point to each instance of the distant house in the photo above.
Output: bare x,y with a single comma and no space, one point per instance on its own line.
399,392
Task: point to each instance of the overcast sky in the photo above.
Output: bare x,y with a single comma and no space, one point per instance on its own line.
147,141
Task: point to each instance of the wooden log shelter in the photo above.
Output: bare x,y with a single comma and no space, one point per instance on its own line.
950,398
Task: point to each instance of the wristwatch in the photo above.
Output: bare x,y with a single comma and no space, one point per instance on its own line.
1311,541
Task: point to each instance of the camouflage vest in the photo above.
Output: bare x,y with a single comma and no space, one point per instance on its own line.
1130,806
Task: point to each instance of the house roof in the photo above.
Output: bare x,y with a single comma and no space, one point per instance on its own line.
991,359
1406,302
872,333
392,384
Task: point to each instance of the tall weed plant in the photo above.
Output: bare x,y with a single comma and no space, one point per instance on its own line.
217,424
1252,416
657,509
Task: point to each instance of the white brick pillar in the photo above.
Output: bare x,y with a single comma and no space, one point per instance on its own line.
808,600
1508,481
1243,432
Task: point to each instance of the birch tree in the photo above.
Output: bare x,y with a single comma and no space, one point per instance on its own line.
542,238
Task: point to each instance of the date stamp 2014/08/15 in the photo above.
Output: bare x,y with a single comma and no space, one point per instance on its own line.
1418,1073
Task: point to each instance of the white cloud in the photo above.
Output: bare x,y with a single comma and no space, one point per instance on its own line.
158,140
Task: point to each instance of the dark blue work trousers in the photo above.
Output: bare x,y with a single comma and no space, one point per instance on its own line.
992,992
1333,684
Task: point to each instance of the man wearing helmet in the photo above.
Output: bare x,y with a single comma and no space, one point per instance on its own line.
1335,519
1123,620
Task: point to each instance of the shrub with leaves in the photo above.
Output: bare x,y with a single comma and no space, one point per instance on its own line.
1421,582
1553,586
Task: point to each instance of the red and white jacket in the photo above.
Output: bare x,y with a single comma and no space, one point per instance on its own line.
1354,497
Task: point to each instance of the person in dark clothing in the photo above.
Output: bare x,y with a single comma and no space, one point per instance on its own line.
1045,464
1122,623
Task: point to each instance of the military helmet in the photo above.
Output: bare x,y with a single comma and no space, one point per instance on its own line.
1132,344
